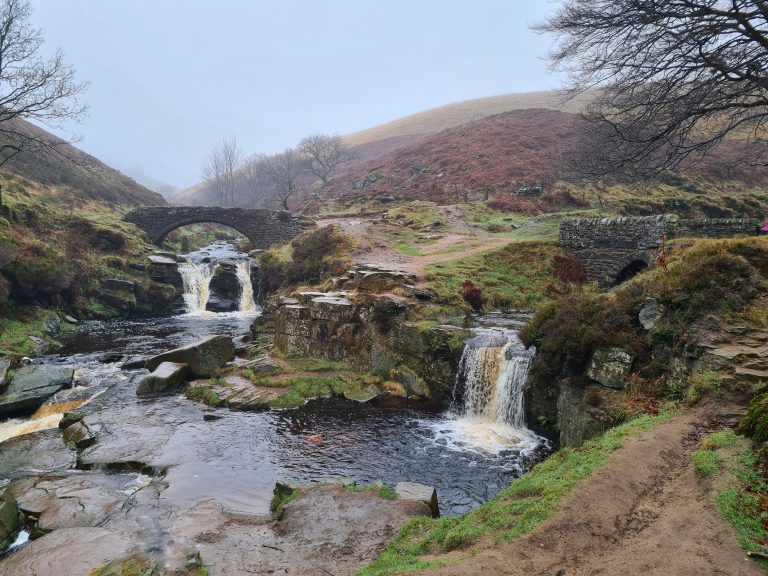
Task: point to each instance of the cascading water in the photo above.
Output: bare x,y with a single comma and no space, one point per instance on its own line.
197,278
488,392
494,368
200,267
247,302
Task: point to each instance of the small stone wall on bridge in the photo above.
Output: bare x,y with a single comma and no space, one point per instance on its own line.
612,249
262,227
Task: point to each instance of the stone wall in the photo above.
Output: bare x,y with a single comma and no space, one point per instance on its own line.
609,248
262,227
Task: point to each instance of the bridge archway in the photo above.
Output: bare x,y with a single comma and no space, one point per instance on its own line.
261,227
630,270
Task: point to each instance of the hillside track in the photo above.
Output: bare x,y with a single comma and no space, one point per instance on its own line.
644,512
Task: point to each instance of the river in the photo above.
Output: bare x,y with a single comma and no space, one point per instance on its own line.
469,451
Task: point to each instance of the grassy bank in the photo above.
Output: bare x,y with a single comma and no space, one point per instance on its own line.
515,511
516,277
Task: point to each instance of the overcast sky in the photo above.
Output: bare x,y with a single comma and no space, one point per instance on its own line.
170,78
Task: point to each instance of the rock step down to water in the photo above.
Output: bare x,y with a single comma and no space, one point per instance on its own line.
239,393
32,385
202,358
420,493
167,377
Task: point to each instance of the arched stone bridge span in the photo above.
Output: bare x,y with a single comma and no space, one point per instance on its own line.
615,249
261,227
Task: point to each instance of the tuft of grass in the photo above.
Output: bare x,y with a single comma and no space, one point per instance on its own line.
703,383
707,462
515,511
205,395
383,492
723,439
744,506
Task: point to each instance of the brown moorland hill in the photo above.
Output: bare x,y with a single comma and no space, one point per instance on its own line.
71,176
435,120
500,154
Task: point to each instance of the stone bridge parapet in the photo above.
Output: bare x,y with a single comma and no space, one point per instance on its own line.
262,227
614,249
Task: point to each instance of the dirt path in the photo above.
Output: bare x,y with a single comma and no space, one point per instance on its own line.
458,240
645,512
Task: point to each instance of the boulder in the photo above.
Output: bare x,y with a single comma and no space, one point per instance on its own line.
649,314
202,358
167,377
11,519
52,326
71,320
610,367
78,436
370,392
420,493
32,385
134,363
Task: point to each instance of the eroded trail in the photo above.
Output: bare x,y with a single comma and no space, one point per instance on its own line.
645,512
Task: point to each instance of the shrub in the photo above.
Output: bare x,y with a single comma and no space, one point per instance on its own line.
569,270
472,295
755,423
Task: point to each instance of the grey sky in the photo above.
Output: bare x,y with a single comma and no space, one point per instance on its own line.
170,78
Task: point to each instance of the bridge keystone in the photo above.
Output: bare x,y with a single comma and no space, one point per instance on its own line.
262,227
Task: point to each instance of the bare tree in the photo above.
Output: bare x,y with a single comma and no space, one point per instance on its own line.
283,172
671,78
32,87
220,170
323,154
255,180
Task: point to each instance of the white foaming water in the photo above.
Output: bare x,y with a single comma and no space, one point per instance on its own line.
247,303
493,371
197,278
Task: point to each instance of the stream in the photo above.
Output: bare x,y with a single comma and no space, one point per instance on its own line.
469,451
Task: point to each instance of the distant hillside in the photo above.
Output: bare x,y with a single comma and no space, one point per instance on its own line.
72,176
379,141
452,115
503,151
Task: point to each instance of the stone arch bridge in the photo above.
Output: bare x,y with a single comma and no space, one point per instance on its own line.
261,227
615,249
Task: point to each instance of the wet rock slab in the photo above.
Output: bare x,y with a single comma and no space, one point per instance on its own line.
32,385
167,377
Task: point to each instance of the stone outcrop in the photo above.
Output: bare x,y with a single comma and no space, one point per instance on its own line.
224,289
32,385
372,331
610,367
5,364
167,377
202,358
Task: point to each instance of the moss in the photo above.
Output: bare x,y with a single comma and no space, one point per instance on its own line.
205,395
383,492
280,500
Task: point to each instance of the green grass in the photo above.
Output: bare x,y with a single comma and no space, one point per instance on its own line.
383,492
707,462
317,365
205,395
723,439
515,511
514,277
14,334
303,388
743,506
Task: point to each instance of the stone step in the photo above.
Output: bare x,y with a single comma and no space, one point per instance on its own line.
751,375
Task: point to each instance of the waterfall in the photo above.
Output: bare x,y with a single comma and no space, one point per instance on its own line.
494,369
247,303
196,277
